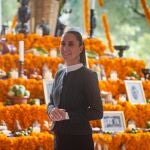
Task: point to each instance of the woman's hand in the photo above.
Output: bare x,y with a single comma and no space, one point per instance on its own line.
57,114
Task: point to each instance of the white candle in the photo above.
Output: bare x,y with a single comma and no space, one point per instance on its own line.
92,4
113,75
53,53
39,31
21,50
36,129
131,126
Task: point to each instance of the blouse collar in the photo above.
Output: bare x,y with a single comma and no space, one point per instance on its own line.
73,67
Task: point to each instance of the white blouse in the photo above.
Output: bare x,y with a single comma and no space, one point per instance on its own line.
73,67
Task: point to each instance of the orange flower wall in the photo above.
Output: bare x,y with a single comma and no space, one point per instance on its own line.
130,141
36,141
118,87
50,42
123,66
96,45
115,87
45,141
130,112
31,62
27,114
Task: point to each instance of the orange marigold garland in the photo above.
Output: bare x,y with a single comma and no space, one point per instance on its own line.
101,3
115,87
96,44
36,141
14,22
146,10
86,16
107,33
34,112
45,141
50,42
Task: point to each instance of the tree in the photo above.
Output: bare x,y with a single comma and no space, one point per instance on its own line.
126,20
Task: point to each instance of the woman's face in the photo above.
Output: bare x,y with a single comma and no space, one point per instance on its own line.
70,49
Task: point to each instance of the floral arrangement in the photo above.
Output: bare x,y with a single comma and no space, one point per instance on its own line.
45,141
29,62
130,112
115,87
49,42
95,44
34,112
115,142
123,66
30,113
34,141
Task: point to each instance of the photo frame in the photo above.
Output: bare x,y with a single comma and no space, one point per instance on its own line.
113,121
135,92
47,86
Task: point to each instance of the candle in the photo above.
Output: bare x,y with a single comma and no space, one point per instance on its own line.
53,53
122,97
39,31
113,75
21,50
92,4
36,129
131,126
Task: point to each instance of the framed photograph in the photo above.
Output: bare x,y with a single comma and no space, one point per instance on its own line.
135,92
113,121
47,85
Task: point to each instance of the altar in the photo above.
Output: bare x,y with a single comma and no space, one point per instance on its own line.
44,141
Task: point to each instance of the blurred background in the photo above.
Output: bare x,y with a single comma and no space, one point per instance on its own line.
127,22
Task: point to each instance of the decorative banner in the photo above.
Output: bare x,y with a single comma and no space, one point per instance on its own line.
107,33
101,3
86,16
146,10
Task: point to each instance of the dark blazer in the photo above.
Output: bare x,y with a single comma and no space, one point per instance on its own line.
78,93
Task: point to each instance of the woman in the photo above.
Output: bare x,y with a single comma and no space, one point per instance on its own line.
75,97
